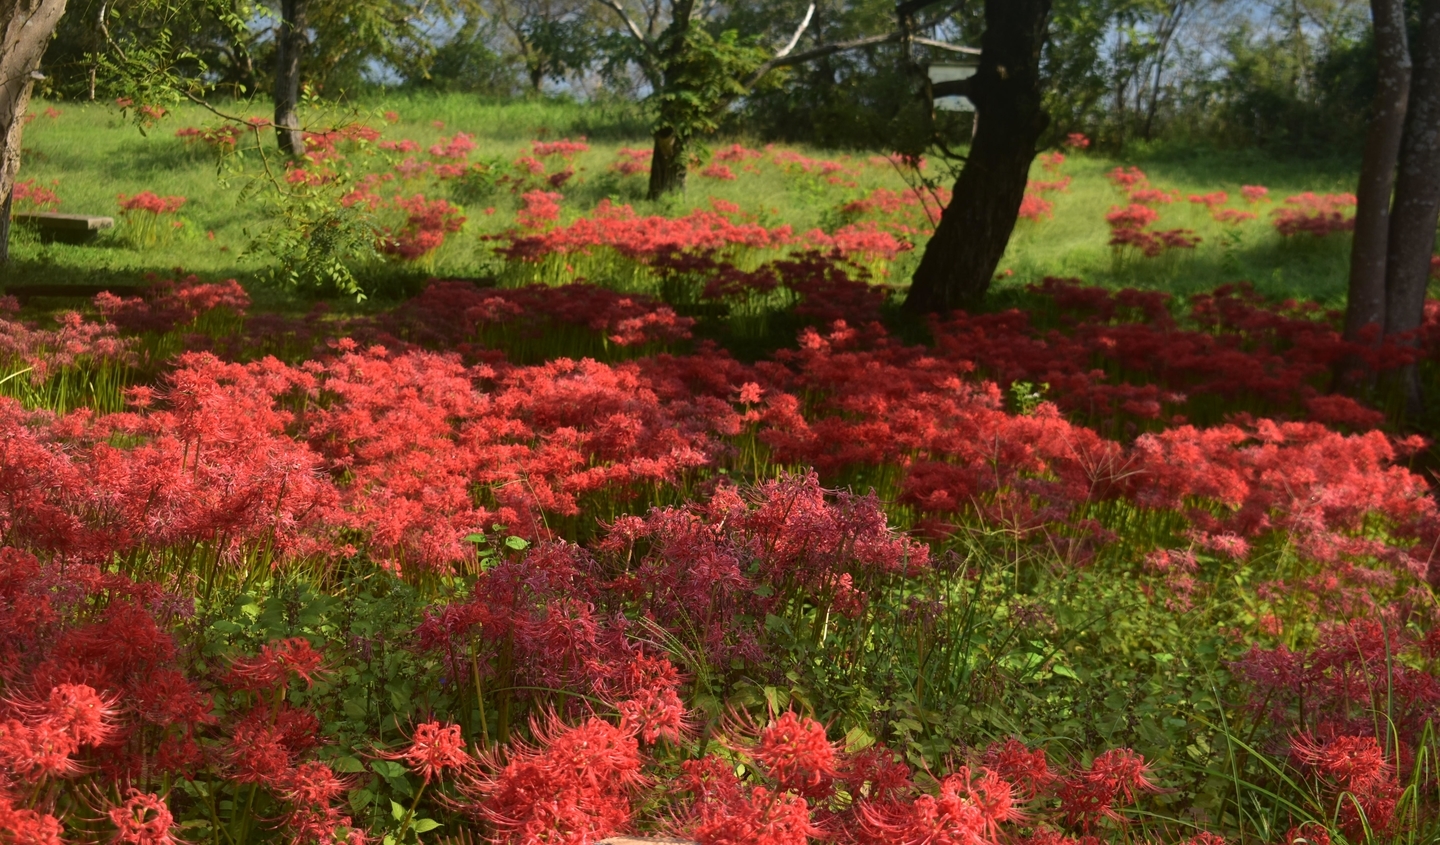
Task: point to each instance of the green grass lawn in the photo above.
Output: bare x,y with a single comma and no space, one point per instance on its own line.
89,154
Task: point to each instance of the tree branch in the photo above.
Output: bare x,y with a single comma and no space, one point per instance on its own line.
843,46
795,39
818,52
945,45
639,36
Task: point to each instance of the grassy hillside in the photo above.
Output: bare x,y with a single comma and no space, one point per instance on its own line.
89,154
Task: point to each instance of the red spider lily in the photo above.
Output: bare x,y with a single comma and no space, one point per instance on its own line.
541,208
1357,763
573,786
1153,196
763,818
427,223
716,170
631,162
1041,187
566,148
151,203
1127,178
1027,769
142,819
1254,193
28,827
223,137
654,714
37,751
314,783
433,750
795,752
457,148
1113,777
1316,215
1036,208
273,666
1077,140
80,711
27,194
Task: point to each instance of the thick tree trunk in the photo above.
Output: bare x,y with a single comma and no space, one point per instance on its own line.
289,44
970,240
667,164
1417,196
26,27
1365,305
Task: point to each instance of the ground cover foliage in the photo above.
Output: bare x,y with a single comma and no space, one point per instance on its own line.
671,524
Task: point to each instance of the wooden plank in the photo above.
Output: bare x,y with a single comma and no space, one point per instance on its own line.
64,222
24,293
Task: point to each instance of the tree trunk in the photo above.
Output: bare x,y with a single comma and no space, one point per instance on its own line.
26,27
1417,197
1365,304
970,240
289,44
667,164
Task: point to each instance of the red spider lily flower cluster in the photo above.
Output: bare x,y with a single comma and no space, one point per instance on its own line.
566,149
574,785
1036,208
223,138
1128,179
1255,193
716,170
435,749
76,343
1077,141
1317,215
457,313
909,213
427,222
167,303
1129,227
631,161
27,194
150,203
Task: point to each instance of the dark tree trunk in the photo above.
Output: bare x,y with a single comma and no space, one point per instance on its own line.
289,44
970,240
667,164
26,27
1417,196
1365,305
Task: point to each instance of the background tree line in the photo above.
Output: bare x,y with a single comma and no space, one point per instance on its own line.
1292,76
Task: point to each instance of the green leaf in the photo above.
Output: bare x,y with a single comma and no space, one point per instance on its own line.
360,799
857,739
387,768
519,544
397,809
475,538
422,825
348,764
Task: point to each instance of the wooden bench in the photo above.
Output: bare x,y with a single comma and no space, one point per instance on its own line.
65,228
25,293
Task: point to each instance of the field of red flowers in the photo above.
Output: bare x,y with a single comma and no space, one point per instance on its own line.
722,547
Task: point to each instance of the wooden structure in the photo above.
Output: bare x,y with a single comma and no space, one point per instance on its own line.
65,228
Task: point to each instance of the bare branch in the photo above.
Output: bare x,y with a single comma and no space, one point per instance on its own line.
795,39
